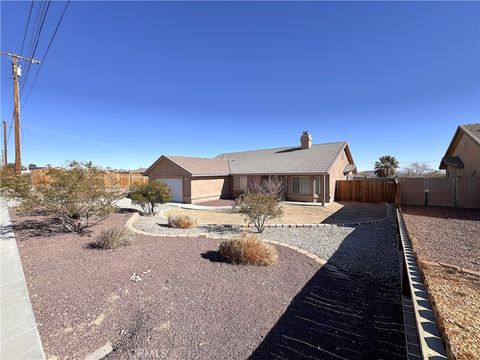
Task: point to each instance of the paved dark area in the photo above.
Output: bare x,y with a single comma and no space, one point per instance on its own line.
351,310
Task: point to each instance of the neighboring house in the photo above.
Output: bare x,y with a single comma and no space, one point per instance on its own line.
310,172
463,154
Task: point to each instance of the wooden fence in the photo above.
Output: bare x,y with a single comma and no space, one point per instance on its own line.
455,191
366,190
123,179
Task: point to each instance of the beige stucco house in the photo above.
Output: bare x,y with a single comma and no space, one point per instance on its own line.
463,154
310,171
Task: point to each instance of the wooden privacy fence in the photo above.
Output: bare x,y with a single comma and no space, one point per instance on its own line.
366,190
111,178
453,191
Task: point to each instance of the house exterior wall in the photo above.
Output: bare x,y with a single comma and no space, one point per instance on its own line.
469,152
210,188
167,169
336,173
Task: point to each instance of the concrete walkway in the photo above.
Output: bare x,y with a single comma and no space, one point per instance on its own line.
19,337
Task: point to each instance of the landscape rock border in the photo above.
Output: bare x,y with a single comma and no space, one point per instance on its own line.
318,259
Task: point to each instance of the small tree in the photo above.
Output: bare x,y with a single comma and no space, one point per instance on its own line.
273,185
149,194
258,208
76,195
386,166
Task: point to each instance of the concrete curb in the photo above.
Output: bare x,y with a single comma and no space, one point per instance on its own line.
20,338
135,216
429,336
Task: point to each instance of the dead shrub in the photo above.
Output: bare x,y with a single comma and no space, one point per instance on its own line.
112,238
248,249
181,222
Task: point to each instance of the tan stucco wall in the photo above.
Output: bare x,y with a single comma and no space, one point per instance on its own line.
210,188
469,152
336,173
167,169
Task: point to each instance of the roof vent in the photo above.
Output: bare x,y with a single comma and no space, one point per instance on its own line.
306,140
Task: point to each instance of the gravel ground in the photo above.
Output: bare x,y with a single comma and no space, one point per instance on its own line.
322,241
354,312
445,234
189,305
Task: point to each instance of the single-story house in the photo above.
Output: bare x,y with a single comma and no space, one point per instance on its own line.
462,157
311,171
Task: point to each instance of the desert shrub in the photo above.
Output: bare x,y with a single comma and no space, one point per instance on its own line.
14,186
257,208
76,195
149,194
112,238
248,249
181,222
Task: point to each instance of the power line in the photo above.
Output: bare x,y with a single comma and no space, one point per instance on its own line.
46,53
26,27
36,45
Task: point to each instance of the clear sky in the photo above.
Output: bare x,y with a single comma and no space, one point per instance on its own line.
125,82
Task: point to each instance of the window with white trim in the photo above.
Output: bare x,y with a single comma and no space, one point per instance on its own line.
240,183
301,185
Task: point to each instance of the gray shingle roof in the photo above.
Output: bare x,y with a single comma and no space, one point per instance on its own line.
201,166
286,160
473,130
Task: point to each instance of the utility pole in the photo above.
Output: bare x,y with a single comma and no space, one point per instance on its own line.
16,73
5,158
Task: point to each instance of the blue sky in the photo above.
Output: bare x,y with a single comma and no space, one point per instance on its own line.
125,82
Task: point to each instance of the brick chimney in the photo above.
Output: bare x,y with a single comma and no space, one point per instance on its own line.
306,140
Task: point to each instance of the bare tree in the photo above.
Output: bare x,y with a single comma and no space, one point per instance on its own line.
273,185
420,169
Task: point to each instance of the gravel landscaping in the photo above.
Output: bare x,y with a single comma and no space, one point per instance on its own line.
188,305
191,304
450,235
446,235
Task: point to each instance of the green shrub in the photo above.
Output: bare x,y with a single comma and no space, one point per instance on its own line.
76,195
181,222
258,208
149,194
248,249
112,238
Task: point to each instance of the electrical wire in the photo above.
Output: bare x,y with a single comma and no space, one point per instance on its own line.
26,27
36,45
46,53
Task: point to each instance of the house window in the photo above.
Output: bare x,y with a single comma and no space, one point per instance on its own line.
301,185
240,183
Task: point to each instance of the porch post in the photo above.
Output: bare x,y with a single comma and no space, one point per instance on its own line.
323,191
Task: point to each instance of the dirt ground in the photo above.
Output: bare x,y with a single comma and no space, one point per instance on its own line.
188,305
451,236
294,214
457,299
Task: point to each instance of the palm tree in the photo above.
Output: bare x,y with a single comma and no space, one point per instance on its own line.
386,166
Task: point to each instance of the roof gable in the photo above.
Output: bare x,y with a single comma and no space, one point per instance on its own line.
195,166
470,130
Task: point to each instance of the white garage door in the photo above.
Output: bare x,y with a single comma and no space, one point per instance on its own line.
176,188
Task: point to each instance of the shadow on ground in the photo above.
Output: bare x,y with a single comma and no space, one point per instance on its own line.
354,212
350,309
